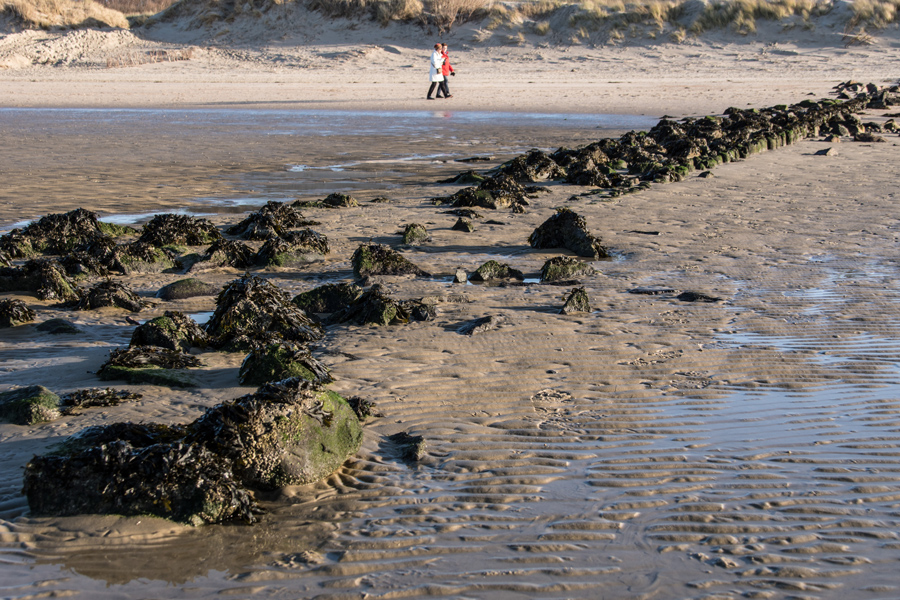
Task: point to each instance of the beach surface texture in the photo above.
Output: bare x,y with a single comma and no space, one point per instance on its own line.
704,408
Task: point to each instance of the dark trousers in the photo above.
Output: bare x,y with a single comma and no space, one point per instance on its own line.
438,84
444,88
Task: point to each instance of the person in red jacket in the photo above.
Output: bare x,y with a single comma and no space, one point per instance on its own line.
446,70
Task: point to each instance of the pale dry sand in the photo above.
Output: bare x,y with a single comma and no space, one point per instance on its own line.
652,448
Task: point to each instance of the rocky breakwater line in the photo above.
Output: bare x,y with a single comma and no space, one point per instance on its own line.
672,149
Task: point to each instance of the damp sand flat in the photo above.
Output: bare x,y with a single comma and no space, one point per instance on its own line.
652,448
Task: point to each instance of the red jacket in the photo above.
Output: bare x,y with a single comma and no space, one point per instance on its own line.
446,69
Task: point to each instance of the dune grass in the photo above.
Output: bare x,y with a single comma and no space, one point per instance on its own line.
67,14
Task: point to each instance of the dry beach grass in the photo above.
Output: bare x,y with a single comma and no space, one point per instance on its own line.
651,448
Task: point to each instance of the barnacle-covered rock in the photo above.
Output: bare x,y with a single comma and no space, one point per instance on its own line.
187,288
173,330
463,224
567,229
328,298
564,268
250,308
290,432
43,277
577,301
493,270
281,360
110,293
409,447
14,312
378,259
533,166
149,364
499,191
273,219
183,230
293,248
374,307
415,234
29,405
178,481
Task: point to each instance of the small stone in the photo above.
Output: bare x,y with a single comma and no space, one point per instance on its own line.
706,174
460,276
826,152
463,224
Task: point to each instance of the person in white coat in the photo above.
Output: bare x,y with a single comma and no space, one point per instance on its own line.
434,73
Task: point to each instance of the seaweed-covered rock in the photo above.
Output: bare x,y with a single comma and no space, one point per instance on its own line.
183,230
290,432
173,330
226,253
177,481
82,264
577,301
57,327
419,310
493,270
499,191
465,178
251,308
866,136
481,325
415,234
463,224
564,268
187,288
374,307
328,298
14,312
72,403
532,167
334,200
29,405
149,364
378,259
45,278
697,297
141,257
409,447
293,248
281,360
110,293
57,233
273,219
567,229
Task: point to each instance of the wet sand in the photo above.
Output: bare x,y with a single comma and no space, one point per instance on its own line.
652,448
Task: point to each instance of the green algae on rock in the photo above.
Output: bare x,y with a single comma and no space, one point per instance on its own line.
273,219
290,432
577,301
141,257
14,312
73,402
493,270
43,277
29,405
373,307
149,364
565,268
293,248
58,327
415,234
174,330
282,360
378,259
328,298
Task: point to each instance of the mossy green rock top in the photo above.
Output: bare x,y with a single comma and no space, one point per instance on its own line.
290,432
29,405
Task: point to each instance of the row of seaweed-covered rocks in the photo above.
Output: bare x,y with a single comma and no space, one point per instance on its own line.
293,429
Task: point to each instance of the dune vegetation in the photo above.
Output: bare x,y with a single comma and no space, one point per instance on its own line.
576,21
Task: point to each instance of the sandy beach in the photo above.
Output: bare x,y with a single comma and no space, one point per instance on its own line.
649,448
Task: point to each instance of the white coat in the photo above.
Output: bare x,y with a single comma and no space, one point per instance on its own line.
437,59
